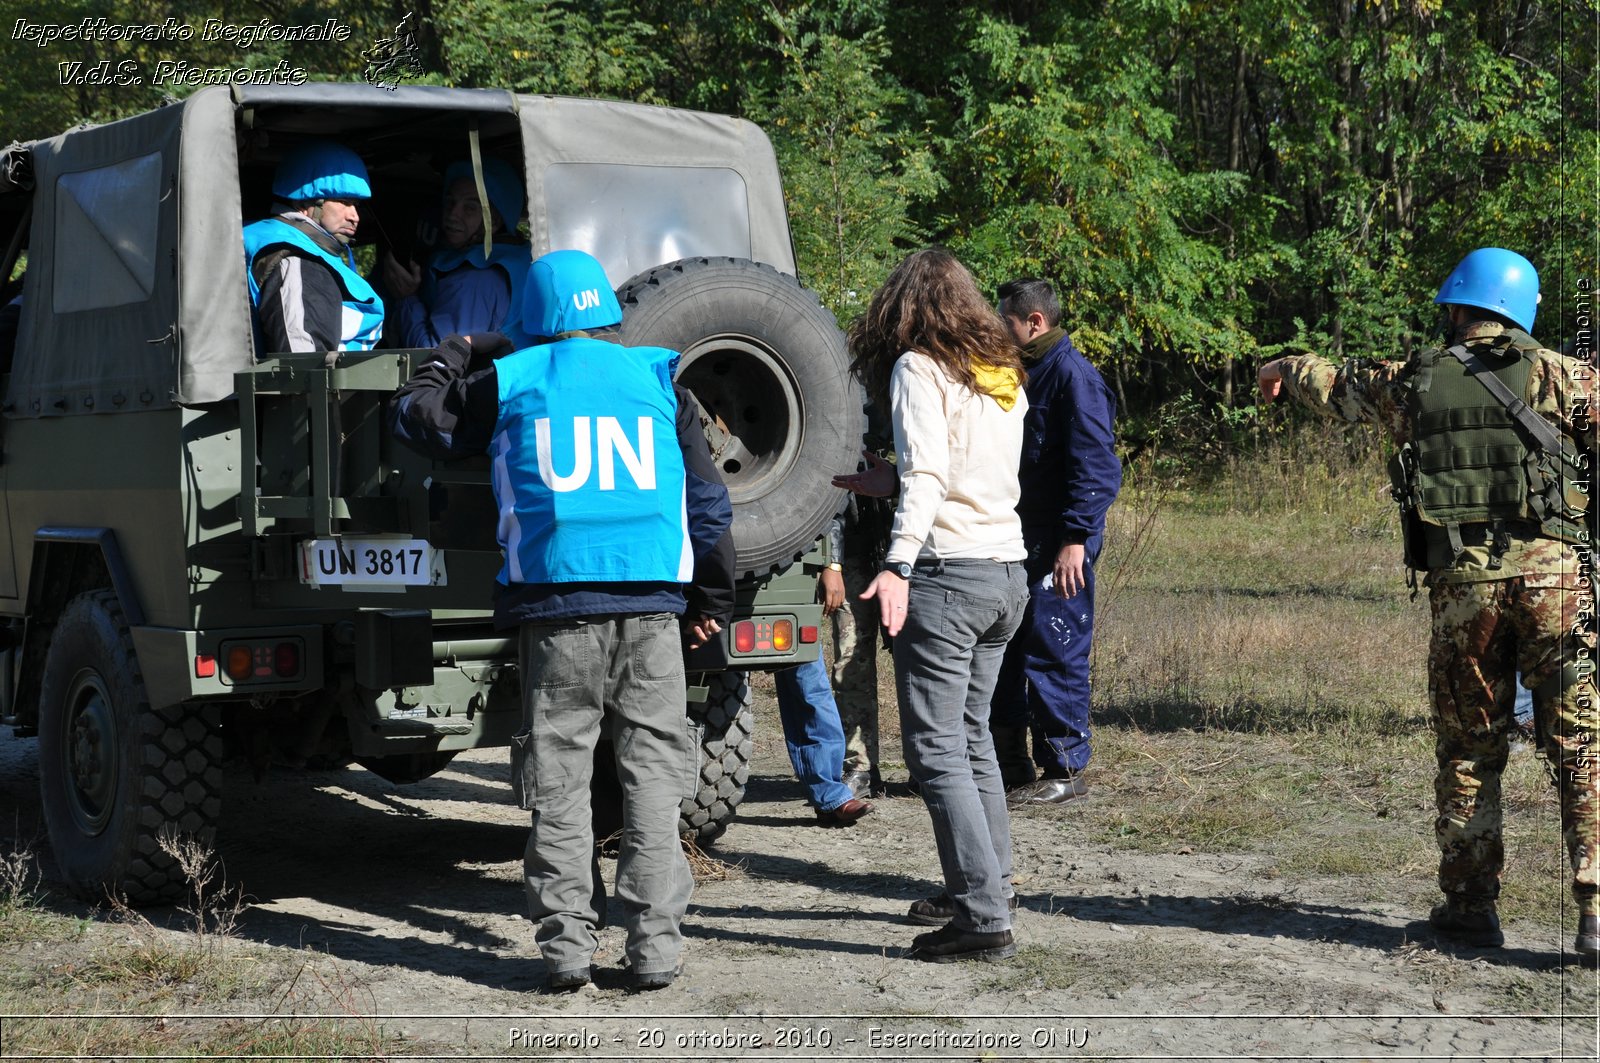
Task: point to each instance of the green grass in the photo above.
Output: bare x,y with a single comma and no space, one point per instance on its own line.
1260,680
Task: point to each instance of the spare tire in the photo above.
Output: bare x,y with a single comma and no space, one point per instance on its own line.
769,368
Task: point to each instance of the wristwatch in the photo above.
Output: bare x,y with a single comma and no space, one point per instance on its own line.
899,568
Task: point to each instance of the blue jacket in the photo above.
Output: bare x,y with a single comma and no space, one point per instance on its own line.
462,292
1070,472
582,549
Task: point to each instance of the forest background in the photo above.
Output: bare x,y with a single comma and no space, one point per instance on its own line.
1210,184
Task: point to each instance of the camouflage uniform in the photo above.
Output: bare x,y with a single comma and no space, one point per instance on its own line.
855,664
1531,614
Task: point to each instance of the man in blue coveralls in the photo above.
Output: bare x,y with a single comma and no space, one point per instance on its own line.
613,522
1070,475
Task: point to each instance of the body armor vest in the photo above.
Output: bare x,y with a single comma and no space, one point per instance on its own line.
1470,473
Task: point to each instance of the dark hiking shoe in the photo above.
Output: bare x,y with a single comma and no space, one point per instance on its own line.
937,911
1479,927
645,981
860,783
950,943
568,980
1588,944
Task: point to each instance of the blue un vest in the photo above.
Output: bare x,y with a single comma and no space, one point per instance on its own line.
361,324
512,258
588,476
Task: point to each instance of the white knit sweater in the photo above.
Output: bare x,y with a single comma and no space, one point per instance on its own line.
958,454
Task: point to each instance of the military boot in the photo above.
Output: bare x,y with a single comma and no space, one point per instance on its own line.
1468,924
1588,944
1011,750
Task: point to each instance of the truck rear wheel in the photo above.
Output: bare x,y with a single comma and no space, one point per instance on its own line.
113,770
724,725
768,365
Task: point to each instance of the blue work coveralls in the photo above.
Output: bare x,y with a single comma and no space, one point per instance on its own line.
1070,475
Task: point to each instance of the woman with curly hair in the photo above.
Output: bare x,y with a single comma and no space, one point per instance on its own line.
952,590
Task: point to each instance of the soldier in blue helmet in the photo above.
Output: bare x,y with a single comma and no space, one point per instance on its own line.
304,286
1495,435
614,523
466,286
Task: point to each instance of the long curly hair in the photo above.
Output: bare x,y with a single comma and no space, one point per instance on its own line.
930,304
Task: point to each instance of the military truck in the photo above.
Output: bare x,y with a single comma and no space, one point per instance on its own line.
210,551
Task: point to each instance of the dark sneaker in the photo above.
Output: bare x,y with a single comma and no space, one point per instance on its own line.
645,981
568,980
950,943
1479,927
860,783
1050,790
1588,944
937,911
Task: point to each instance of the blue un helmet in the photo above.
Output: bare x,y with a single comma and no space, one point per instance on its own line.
567,291
500,180
320,169
1494,279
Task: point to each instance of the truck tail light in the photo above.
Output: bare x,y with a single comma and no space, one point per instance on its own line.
744,636
783,636
238,663
264,660
808,633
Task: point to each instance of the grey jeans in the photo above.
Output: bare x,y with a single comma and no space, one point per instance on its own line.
625,673
961,614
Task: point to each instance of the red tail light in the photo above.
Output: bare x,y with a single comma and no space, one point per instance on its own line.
744,636
286,659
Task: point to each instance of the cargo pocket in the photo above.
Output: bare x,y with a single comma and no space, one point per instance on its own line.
522,771
691,767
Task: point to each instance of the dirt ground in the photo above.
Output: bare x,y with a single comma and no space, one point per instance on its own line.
410,900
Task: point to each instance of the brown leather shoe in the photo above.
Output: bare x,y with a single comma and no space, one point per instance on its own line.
845,815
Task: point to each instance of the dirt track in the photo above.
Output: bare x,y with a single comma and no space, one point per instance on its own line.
413,896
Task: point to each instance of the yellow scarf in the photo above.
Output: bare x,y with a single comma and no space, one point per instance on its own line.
998,383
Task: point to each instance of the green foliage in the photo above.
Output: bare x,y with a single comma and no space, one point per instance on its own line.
850,173
1206,182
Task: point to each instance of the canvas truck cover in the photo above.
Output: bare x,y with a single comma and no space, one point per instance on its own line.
136,297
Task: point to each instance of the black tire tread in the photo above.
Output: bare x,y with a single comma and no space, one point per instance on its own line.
178,783
726,750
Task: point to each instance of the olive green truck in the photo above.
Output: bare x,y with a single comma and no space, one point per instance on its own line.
214,553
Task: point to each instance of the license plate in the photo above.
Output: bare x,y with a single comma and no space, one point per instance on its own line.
387,562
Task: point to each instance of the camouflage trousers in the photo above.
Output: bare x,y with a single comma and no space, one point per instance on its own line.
855,668
1484,634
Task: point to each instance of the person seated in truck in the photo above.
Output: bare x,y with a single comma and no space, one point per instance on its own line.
466,287
304,285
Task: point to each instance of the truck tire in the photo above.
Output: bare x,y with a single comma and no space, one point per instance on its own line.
113,770
724,725
769,368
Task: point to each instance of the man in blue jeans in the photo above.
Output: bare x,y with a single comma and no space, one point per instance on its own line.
815,738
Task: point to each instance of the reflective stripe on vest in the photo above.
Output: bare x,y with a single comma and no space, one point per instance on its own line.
588,475
361,323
